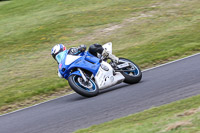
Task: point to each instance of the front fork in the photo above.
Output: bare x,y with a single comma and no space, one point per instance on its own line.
83,75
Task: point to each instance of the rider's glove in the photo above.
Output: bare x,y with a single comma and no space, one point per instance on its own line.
82,48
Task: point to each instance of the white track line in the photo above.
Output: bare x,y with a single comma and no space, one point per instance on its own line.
171,62
74,92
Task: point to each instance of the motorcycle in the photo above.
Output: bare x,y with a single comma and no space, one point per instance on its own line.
86,73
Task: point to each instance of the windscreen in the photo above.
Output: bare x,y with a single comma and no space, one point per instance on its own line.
60,56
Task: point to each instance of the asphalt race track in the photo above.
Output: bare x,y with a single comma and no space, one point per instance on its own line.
161,85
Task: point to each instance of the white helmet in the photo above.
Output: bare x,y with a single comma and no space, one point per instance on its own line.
57,49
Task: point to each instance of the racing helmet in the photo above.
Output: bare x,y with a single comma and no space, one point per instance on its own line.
57,49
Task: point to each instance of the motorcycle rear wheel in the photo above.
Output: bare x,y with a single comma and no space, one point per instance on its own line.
134,76
88,89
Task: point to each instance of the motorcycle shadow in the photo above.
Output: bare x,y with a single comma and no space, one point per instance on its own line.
119,86
77,97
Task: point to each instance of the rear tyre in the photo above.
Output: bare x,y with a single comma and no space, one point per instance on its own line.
131,77
88,89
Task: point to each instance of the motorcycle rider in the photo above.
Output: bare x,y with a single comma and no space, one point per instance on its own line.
58,51
59,48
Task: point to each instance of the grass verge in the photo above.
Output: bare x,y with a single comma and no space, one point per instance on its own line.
178,117
147,32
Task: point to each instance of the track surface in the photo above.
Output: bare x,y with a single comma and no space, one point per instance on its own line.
159,86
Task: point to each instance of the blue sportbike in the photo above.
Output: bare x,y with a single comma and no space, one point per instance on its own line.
87,74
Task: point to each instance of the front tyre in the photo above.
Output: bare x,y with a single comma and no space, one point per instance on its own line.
134,76
88,89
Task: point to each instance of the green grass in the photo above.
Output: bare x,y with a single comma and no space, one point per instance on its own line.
147,32
178,117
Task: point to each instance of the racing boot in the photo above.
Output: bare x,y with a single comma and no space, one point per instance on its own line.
107,54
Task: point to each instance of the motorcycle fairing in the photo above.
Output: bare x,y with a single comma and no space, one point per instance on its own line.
108,47
105,77
71,58
87,62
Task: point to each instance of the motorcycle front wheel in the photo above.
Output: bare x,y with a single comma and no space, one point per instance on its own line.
134,76
86,89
